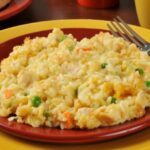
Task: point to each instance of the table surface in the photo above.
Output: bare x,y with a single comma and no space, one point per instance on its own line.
41,10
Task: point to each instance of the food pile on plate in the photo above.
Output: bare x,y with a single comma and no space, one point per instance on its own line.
58,81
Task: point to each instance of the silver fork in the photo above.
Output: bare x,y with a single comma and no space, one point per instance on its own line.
118,27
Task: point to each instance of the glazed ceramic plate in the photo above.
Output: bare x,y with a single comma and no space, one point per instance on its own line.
75,135
14,8
67,136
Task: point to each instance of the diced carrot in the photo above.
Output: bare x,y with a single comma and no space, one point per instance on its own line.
87,49
8,93
84,49
69,123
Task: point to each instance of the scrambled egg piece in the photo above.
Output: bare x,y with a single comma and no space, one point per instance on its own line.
57,81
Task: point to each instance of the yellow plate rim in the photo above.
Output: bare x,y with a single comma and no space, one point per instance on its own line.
13,32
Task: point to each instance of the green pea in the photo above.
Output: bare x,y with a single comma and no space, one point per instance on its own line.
46,114
103,65
36,101
71,48
141,71
113,100
63,38
147,83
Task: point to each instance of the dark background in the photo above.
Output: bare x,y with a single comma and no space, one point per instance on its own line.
41,10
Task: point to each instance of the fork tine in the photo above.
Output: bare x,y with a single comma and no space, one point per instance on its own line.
132,31
112,30
127,33
119,32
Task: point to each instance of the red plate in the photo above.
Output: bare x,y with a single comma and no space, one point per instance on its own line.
67,136
13,8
